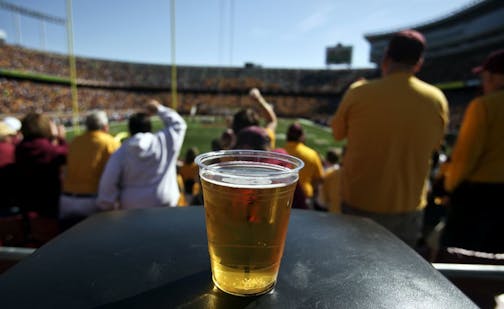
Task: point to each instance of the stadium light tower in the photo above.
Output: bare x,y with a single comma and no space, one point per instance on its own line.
173,58
73,67
19,10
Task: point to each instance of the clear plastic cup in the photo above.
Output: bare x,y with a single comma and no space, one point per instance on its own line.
248,197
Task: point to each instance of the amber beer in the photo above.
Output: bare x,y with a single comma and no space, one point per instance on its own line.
247,204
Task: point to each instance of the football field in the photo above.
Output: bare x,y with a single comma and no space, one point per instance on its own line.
202,129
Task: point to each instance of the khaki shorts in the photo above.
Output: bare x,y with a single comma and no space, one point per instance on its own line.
407,226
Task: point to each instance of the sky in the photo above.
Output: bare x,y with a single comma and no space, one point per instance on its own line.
269,33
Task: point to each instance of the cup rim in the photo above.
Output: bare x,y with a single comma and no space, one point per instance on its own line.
298,163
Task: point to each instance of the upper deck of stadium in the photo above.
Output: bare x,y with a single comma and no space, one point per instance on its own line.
455,43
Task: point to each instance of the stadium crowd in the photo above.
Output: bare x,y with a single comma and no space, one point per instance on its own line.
120,86
130,75
36,155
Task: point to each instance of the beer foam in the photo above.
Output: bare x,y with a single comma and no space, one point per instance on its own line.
239,175
247,181
259,183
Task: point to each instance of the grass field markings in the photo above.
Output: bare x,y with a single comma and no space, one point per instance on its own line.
304,121
327,129
200,135
321,141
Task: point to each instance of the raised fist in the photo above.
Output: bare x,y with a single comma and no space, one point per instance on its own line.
255,93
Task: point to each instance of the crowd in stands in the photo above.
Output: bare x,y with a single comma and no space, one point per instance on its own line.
19,97
307,93
190,78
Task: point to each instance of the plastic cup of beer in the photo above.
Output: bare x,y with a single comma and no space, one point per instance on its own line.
247,197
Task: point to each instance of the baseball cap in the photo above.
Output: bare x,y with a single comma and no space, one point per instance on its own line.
252,137
406,46
13,123
5,130
494,63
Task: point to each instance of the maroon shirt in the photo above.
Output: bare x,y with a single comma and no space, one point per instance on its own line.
6,153
38,172
7,184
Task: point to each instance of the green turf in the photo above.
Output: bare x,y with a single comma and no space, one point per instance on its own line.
201,131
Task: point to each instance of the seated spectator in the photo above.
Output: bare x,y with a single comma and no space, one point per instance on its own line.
143,171
227,139
39,158
189,173
311,175
7,159
329,192
15,125
182,202
215,144
7,145
87,155
256,138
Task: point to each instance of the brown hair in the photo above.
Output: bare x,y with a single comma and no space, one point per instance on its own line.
190,154
406,47
36,125
295,133
244,118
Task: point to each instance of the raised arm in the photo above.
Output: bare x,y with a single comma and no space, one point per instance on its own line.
174,125
170,118
267,110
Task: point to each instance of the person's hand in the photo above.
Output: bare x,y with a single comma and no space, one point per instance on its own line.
255,93
152,107
54,128
61,131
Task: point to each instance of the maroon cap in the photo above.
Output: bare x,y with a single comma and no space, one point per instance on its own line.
252,137
406,47
494,63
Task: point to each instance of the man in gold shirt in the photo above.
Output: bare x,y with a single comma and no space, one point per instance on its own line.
392,126
475,174
87,155
311,175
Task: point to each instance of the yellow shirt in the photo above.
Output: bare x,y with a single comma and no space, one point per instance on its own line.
478,154
189,171
312,171
392,126
272,136
87,155
330,193
182,202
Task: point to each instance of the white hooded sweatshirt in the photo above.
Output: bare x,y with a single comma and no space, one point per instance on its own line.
142,172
